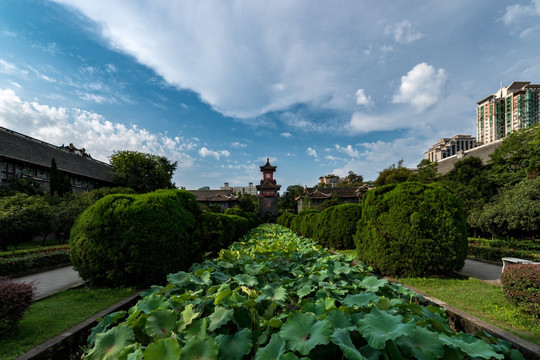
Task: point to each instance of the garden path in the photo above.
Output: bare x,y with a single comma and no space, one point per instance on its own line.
53,281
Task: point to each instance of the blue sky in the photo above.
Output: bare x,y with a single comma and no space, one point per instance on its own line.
318,87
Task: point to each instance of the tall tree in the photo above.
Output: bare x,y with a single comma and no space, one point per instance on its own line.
142,172
393,174
511,161
351,180
59,183
427,172
288,198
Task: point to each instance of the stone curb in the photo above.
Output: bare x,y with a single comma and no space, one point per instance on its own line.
461,321
67,345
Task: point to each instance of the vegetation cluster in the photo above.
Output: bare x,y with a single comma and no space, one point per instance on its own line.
15,300
277,296
521,285
20,262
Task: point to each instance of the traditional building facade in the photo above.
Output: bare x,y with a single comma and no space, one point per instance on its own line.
22,156
510,109
223,198
447,147
312,197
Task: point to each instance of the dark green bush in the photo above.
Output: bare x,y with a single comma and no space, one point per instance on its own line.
15,300
412,229
521,285
221,230
254,219
336,226
22,217
304,222
136,240
285,219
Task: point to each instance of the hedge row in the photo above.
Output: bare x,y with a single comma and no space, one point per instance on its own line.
496,254
407,229
24,262
136,240
521,285
333,227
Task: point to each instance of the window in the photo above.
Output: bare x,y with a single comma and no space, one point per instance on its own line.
7,172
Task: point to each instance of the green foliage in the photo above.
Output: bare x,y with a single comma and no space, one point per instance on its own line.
393,175
412,229
510,161
15,300
277,296
22,217
304,224
287,201
59,183
426,173
335,227
142,172
286,219
248,203
221,230
253,219
135,240
464,171
24,262
21,185
515,212
521,285
351,180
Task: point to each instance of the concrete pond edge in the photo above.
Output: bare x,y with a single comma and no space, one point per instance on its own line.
68,345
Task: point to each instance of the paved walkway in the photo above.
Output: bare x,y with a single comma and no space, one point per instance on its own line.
483,271
53,281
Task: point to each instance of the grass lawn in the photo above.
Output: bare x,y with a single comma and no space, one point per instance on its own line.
483,300
51,316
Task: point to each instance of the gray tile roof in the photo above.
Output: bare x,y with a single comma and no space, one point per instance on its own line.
213,195
33,151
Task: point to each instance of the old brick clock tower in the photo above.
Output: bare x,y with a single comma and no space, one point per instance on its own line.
268,193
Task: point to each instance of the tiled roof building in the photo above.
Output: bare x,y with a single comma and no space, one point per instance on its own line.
312,197
223,198
27,157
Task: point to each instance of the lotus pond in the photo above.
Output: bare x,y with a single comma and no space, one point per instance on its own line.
277,296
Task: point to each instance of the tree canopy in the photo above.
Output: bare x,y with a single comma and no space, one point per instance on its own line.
142,172
393,175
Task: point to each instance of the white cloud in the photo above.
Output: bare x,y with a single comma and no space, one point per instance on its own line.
58,125
403,32
349,150
422,87
9,68
311,152
286,134
204,152
362,123
362,99
238,145
516,13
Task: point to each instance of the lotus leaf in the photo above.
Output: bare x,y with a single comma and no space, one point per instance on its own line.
302,332
273,350
359,300
109,344
423,344
234,347
153,302
161,323
220,317
372,284
200,349
342,338
245,279
164,349
471,346
378,327
188,315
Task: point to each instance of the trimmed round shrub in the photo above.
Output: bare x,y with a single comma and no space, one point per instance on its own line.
285,219
521,285
412,229
136,240
15,300
336,226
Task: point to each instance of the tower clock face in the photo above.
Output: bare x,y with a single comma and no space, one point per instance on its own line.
268,175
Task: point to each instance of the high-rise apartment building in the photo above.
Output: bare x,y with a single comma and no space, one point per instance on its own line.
512,108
